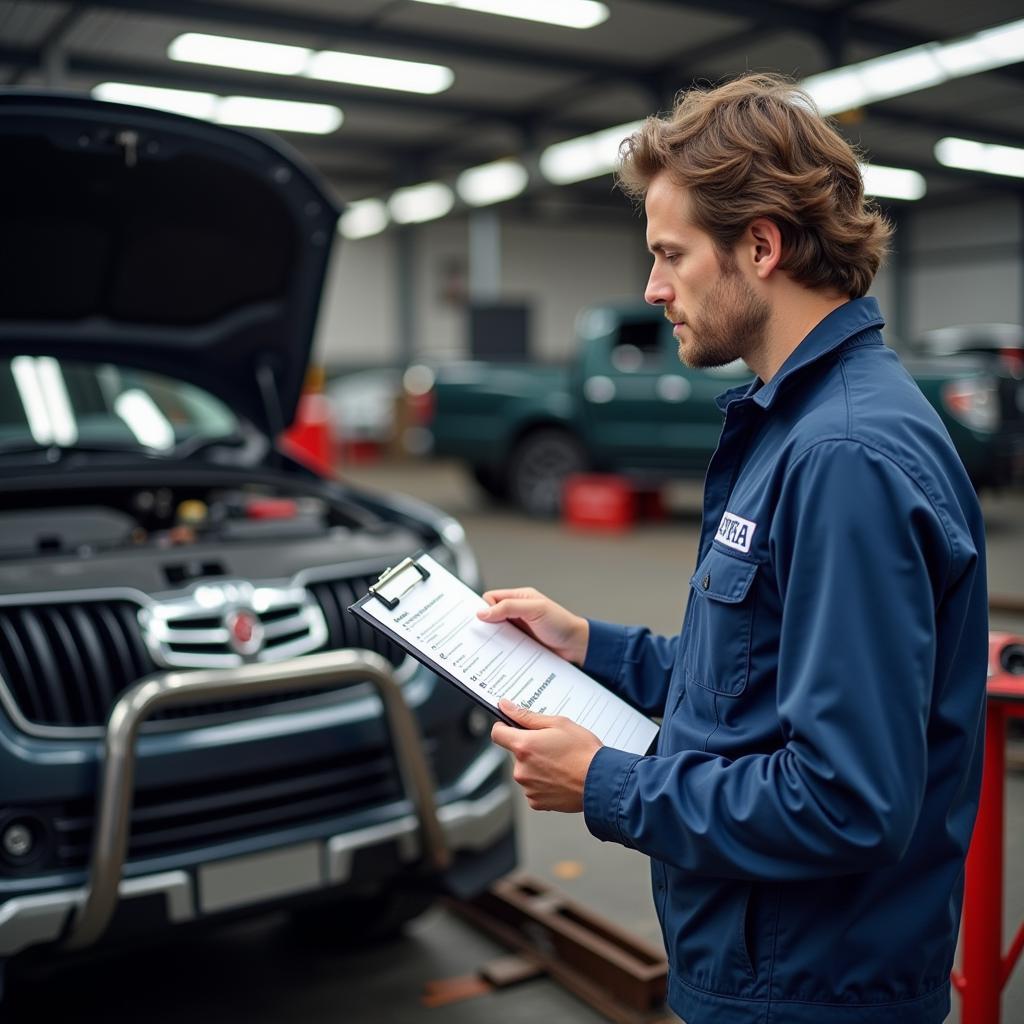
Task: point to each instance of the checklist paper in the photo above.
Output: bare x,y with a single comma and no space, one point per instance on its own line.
434,618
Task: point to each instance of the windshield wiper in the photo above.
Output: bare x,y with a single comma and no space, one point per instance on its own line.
200,442
55,452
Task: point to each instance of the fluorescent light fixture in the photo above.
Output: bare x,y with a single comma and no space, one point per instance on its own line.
363,218
245,54
980,156
420,203
58,404
380,72
585,157
144,419
492,183
280,115
23,369
249,111
567,13
328,65
920,67
892,182
177,101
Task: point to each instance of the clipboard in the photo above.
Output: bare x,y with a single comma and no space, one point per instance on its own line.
430,613
391,586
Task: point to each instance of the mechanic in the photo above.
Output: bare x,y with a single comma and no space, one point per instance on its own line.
808,807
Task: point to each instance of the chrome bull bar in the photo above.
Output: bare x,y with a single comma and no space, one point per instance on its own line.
167,689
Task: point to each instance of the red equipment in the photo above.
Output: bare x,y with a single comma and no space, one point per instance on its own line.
984,970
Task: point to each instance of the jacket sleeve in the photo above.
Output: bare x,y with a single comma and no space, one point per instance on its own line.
861,560
633,662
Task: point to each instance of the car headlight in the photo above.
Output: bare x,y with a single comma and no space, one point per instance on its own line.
455,553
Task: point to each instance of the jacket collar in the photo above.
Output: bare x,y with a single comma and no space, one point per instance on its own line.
842,324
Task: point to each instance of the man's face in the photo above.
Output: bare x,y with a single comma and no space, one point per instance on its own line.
716,314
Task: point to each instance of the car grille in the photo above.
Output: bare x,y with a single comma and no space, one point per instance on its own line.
192,815
66,663
343,628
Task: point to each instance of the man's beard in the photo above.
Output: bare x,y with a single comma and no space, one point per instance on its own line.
731,323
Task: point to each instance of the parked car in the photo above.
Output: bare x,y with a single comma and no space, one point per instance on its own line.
625,404
363,405
1003,343
161,278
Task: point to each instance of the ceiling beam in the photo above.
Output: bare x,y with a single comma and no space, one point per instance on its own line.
942,125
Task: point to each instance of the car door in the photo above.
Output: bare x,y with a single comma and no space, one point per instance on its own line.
644,409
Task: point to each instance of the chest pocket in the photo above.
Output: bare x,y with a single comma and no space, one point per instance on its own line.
718,645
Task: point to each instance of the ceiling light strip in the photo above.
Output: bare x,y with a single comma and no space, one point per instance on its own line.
920,67
245,111
986,157
564,13
323,65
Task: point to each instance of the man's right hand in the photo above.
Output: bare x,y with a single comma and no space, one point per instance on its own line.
555,627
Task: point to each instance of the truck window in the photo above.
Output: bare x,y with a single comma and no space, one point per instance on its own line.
637,345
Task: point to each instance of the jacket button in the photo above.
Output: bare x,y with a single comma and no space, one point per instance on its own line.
706,582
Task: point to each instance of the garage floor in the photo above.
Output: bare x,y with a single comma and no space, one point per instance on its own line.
262,971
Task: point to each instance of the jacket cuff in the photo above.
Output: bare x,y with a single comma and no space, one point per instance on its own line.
603,791
606,649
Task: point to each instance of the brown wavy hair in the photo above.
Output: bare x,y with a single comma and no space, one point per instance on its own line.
757,147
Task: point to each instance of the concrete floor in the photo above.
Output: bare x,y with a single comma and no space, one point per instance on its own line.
262,972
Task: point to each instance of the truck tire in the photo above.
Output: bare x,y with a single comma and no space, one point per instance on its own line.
538,469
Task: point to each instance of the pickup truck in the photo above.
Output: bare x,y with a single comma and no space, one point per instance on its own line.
625,404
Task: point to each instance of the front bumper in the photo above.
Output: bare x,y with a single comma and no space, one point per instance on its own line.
471,824
476,810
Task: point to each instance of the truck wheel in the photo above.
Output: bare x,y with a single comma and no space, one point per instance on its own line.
538,469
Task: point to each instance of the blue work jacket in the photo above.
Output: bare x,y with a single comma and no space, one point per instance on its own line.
808,808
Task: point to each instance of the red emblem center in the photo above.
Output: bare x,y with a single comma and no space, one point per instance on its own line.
243,627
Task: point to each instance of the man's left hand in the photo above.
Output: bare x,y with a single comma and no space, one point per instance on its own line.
552,756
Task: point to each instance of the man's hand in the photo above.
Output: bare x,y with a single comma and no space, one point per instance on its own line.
555,627
552,756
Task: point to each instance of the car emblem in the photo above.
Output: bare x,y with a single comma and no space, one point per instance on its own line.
245,631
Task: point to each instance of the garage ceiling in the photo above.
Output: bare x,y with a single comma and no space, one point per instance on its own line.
520,86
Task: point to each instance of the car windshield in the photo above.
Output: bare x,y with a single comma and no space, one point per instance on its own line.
47,403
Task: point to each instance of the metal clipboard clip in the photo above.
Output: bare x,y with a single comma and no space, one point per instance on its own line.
390,576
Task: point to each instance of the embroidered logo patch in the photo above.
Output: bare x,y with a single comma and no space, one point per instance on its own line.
735,532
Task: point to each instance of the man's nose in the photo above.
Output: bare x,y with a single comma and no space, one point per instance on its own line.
657,292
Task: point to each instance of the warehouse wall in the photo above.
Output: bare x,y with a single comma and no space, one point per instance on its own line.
555,268
963,265
966,264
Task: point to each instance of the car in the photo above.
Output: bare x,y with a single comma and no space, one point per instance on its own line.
1001,343
363,405
159,549
626,405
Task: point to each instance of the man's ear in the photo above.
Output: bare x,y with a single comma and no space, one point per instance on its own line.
764,246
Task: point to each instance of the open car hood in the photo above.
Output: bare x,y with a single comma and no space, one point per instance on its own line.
162,242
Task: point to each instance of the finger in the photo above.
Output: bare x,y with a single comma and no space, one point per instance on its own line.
512,608
527,719
500,595
503,735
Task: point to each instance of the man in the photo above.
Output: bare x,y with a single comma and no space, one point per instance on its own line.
809,805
